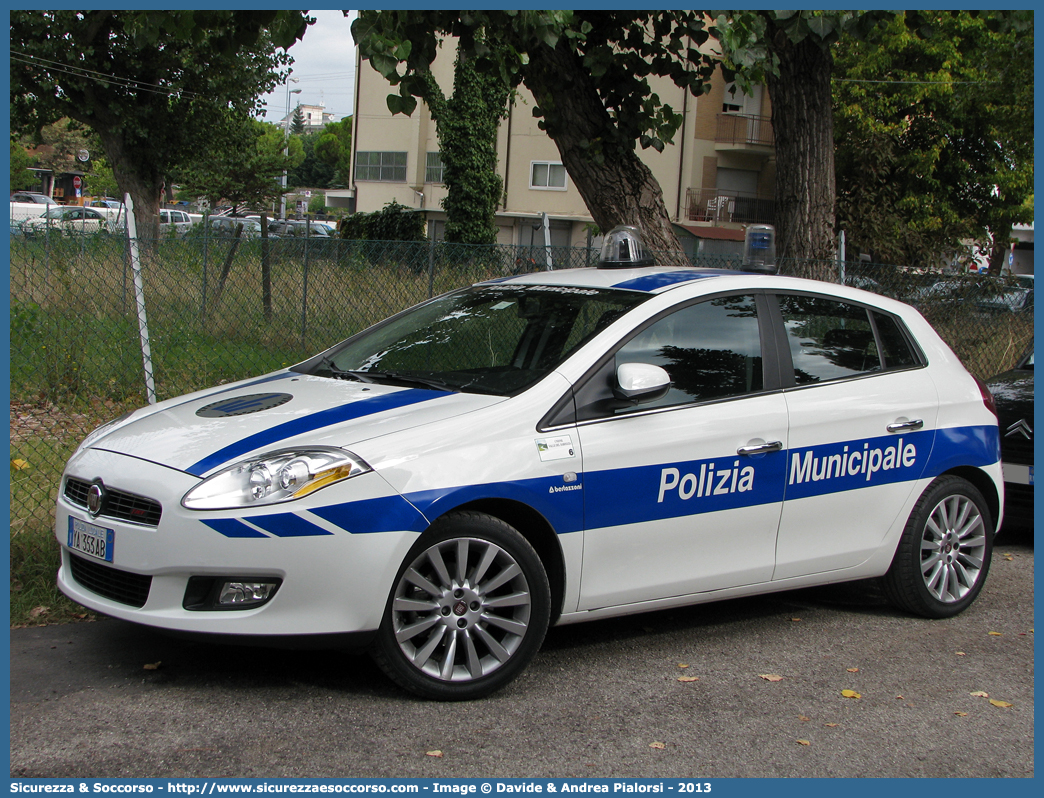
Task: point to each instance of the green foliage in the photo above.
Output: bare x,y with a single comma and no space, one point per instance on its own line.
243,165
467,126
317,204
394,222
334,148
21,160
934,133
205,61
312,171
297,125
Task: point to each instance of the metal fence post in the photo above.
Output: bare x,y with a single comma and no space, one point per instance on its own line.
139,295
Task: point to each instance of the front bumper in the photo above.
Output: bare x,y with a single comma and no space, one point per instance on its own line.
333,581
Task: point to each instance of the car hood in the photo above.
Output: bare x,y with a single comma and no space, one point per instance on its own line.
1013,391
207,431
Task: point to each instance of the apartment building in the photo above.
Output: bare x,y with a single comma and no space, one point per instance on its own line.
717,176
315,117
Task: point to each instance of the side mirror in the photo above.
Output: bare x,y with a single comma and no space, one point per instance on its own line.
641,382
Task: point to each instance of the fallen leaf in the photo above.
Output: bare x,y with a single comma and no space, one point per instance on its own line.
960,654
981,694
853,670
688,678
850,694
995,634
961,714
682,665
658,746
802,718
36,612
436,754
153,666
804,742
831,725
997,703
19,465
898,698
771,677
795,619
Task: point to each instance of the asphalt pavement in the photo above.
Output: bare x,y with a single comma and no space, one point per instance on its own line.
604,699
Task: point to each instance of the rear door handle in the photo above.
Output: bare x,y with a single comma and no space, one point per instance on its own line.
761,448
905,426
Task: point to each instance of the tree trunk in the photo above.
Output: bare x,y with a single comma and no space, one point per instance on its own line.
617,187
803,121
144,189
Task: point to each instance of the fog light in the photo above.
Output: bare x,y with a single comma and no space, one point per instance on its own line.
242,594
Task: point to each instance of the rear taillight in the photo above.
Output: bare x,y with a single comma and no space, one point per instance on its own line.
987,397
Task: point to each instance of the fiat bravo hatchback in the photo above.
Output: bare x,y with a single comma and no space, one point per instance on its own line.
546,449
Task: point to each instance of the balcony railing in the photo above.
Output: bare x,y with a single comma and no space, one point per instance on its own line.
722,206
744,129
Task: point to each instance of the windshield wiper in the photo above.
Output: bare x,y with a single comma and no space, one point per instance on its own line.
339,374
410,379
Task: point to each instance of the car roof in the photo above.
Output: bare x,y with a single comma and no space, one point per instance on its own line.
648,279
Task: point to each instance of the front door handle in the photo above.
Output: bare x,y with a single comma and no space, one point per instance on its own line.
760,448
905,426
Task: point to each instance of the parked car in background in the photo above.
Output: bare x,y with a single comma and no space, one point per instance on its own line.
1013,393
104,202
1011,294
32,196
299,228
177,221
70,220
226,226
27,204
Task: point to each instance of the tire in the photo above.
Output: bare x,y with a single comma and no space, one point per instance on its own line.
944,553
468,610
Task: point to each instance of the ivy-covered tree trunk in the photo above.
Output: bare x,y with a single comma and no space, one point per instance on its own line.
617,187
467,129
802,119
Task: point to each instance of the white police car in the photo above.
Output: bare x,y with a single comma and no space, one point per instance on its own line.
546,449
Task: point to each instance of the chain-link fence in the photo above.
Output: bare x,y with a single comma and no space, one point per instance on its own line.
221,309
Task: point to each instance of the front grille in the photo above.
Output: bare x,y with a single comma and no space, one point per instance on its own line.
112,583
118,504
1016,448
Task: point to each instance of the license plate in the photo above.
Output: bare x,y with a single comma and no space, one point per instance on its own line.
94,541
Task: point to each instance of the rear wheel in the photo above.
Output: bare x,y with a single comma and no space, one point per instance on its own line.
944,554
468,611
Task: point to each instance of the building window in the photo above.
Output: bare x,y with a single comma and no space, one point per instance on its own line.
388,167
434,168
547,175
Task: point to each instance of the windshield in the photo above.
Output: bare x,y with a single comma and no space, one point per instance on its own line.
493,339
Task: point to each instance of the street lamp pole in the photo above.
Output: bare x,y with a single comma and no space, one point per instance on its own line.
286,143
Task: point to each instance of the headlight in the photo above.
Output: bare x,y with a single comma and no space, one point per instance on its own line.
274,477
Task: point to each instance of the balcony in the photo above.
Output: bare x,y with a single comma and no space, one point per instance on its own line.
744,132
721,207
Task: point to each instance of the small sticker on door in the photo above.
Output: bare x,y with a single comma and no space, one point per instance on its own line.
558,448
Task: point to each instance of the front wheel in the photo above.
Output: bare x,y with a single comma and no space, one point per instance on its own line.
468,611
944,554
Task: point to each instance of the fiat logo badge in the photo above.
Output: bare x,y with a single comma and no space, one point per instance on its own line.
95,497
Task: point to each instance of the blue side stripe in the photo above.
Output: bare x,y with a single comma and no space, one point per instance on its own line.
387,514
299,426
287,525
233,528
654,281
